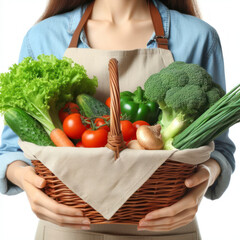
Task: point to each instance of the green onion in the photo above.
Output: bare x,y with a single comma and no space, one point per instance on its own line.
217,119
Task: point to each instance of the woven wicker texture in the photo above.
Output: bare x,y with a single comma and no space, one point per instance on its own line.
164,188
115,138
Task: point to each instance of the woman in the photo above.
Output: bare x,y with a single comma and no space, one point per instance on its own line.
124,25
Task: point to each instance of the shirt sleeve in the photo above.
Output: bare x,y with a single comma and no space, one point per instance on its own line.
9,149
224,147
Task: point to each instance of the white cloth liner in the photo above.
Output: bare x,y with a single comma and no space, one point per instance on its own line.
95,176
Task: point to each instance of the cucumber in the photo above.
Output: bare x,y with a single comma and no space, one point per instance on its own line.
26,127
91,107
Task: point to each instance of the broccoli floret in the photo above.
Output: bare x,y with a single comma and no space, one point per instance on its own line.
183,91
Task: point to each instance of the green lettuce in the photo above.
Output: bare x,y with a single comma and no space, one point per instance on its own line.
41,87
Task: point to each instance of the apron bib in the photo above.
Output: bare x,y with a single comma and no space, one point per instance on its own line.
134,67
150,61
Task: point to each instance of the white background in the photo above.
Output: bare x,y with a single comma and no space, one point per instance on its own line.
217,219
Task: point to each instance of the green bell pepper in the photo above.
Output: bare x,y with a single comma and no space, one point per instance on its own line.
136,107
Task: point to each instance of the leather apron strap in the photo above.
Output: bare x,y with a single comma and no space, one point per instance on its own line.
160,38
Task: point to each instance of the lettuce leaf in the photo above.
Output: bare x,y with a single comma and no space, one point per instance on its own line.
41,87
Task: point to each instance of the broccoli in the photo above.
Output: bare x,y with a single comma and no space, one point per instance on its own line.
183,91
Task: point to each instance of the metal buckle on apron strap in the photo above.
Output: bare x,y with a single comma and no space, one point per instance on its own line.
161,37
161,41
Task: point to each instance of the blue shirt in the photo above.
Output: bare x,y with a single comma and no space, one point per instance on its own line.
190,39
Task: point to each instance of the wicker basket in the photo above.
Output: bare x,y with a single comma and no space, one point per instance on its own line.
164,188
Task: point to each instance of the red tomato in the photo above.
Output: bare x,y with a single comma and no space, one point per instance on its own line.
128,131
99,122
68,109
108,102
73,127
107,117
79,144
137,124
94,138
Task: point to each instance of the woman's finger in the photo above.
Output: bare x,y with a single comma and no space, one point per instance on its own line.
61,220
191,200
75,226
58,208
31,177
53,206
171,211
167,227
188,213
37,197
202,175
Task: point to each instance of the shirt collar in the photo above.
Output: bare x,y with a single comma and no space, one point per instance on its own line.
74,20
78,13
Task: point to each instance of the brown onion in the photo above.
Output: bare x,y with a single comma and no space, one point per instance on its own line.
134,144
149,137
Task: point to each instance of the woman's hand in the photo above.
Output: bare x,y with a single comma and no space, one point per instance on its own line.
43,206
184,211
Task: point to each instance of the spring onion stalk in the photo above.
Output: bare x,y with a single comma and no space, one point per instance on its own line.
217,119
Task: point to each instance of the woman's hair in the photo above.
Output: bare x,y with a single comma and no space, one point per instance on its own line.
55,7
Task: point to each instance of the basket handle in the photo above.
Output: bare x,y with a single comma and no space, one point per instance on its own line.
115,138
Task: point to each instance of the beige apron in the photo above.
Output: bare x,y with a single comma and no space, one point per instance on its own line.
135,66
